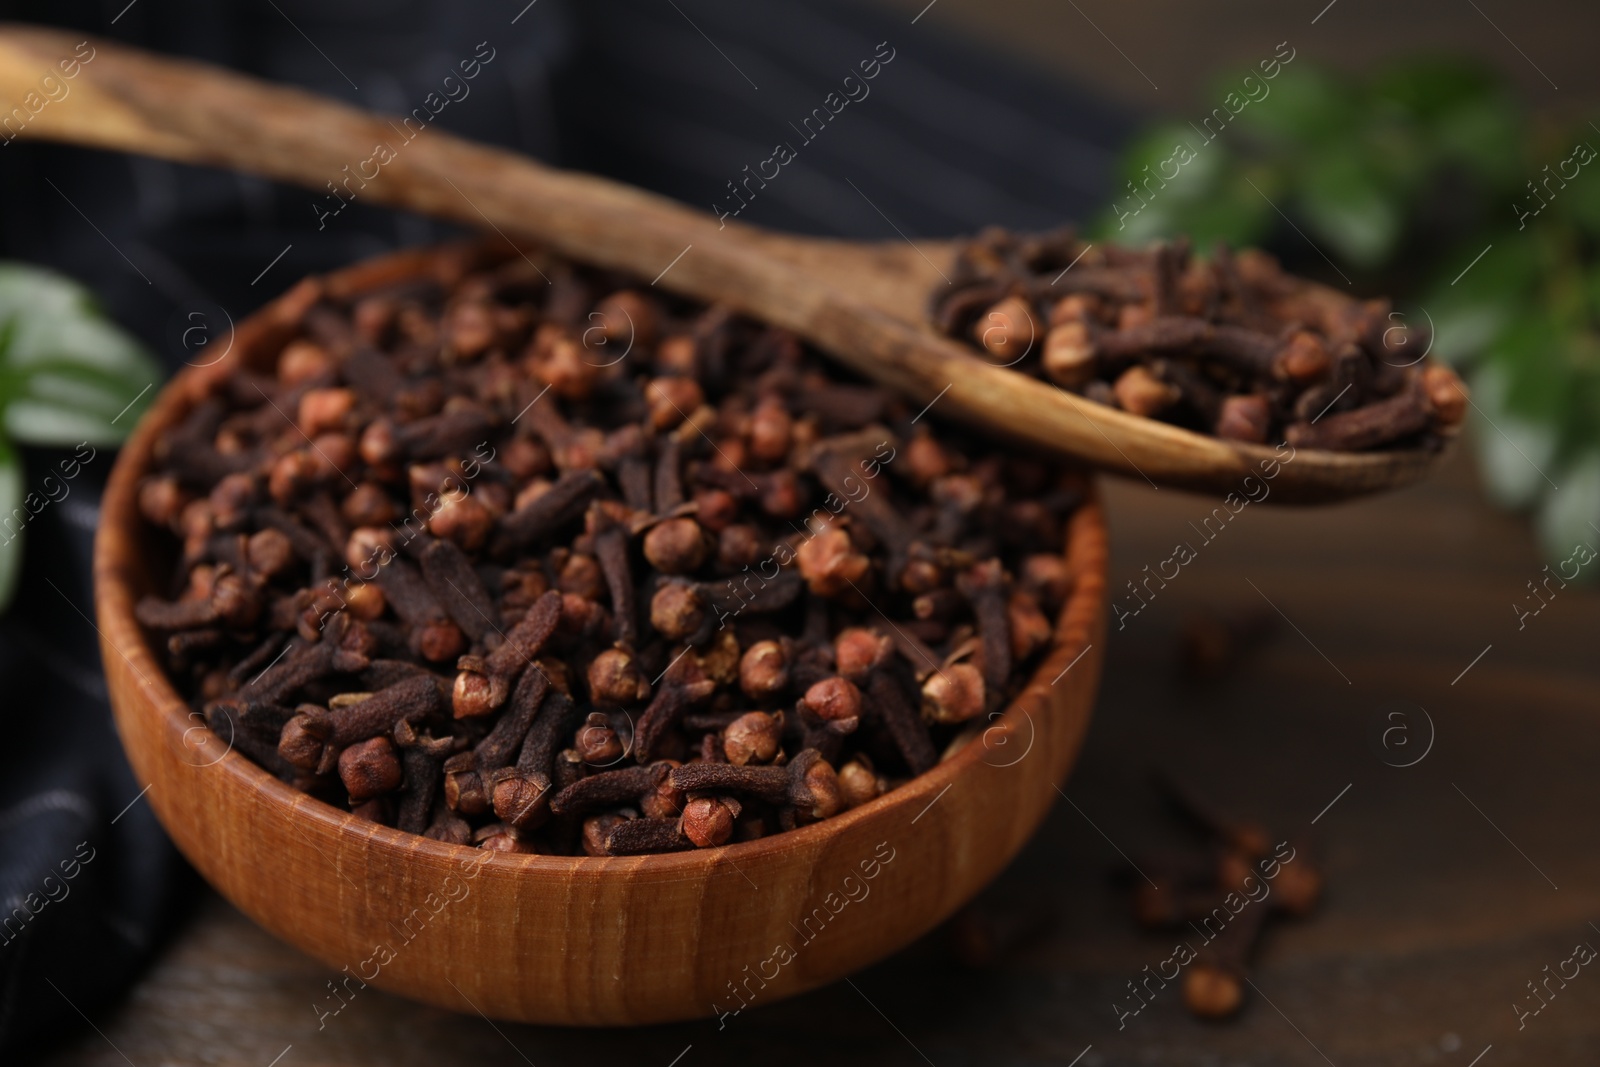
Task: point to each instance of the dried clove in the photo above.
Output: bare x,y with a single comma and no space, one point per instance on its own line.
672,699
558,505
984,586
422,760
807,782
888,701
611,548
608,789
484,684
434,635
632,837
500,746
520,795
459,589
313,738
1227,896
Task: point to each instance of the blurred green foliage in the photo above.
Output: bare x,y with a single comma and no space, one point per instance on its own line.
1402,178
68,376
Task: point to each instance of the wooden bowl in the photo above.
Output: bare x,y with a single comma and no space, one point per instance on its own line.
577,941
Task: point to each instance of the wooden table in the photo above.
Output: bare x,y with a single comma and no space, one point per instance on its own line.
1451,883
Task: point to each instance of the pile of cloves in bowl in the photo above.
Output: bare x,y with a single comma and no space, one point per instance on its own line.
529,556
1230,346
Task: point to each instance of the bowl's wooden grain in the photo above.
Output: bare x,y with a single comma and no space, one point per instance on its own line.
575,940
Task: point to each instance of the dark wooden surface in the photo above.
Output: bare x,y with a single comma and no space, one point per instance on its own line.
1435,918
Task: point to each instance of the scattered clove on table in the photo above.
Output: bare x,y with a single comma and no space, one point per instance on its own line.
1221,898
1213,641
998,925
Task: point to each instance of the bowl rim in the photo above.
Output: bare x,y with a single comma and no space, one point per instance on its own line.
1085,550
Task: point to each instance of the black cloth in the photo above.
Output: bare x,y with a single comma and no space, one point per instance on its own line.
676,97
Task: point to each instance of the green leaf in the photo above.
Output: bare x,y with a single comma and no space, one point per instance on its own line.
41,423
1528,353
52,317
1581,406
1395,159
74,391
90,342
1474,303
1465,329
1306,107
1211,169
1348,206
1234,213
1513,452
10,500
1484,136
66,374
1569,518
1434,88
1205,198
1581,199
26,289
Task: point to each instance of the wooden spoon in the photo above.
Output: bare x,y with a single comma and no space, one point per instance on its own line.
863,303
